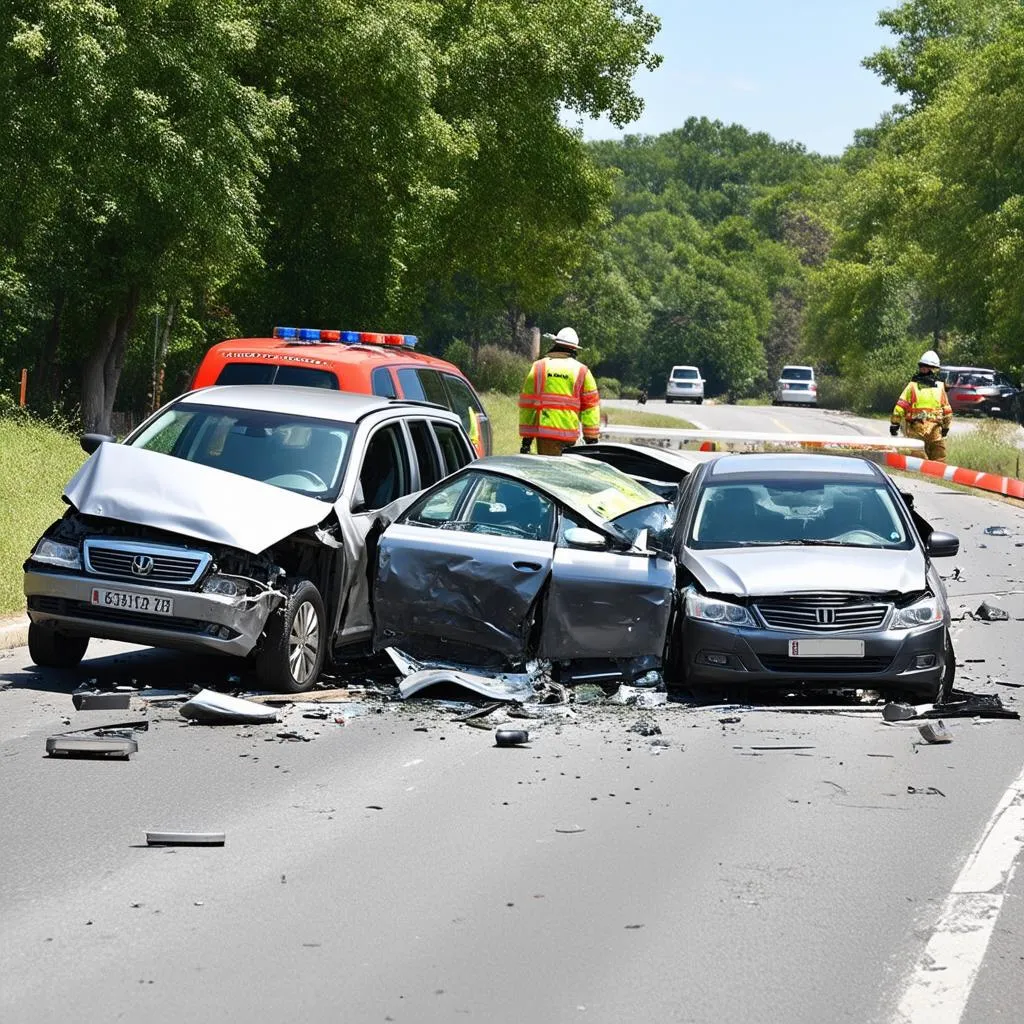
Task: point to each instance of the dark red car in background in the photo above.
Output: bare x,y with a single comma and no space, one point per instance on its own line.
987,392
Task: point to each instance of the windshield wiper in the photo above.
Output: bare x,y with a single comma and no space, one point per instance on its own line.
806,542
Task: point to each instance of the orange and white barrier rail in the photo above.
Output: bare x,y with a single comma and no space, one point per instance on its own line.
969,477
752,440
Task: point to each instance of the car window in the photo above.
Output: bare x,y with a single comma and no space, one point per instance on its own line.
426,452
292,452
685,373
294,376
438,508
487,504
382,384
412,389
433,387
385,474
461,399
246,373
797,373
454,449
793,513
509,508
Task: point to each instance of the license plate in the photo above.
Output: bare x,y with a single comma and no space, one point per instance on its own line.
826,648
126,600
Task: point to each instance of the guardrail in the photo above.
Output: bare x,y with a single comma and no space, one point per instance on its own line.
751,440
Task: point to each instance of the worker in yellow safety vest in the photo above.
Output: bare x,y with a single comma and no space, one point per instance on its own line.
559,397
924,409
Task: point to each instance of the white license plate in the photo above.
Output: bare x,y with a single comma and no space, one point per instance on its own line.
826,648
128,601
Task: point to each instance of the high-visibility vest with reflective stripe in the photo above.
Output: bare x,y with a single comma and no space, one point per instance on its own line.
920,404
559,397
474,432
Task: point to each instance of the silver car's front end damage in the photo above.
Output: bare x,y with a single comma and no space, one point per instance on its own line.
168,553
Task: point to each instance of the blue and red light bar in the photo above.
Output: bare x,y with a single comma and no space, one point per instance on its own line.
314,336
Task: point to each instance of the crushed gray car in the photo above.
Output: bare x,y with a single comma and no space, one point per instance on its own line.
239,520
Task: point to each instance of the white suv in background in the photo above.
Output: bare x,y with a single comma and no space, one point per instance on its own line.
796,385
686,384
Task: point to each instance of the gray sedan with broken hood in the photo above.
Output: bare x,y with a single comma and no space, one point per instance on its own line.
236,520
564,559
810,569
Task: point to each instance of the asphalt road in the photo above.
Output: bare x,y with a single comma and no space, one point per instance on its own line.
401,867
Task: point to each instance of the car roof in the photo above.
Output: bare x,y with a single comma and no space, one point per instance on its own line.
783,464
327,352
318,403
797,366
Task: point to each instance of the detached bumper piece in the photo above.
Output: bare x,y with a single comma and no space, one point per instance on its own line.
91,745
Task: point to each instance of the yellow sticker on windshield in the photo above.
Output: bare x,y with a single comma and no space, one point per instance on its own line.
610,503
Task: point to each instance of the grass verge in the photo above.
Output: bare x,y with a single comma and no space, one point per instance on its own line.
991,448
35,463
504,413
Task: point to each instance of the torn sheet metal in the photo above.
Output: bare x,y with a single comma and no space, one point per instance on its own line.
211,708
135,485
518,687
465,588
607,604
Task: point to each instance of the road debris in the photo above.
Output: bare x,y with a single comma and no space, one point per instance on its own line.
730,720
570,830
98,700
935,732
91,745
646,726
780,746
991,613
211,708
972,705
642,698
997,531
164,838
511,737
924,791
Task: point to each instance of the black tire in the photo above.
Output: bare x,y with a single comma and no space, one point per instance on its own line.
292,653
700,401
49,648
668,401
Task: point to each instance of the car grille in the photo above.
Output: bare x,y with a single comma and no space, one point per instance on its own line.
799,667
822,615
145,563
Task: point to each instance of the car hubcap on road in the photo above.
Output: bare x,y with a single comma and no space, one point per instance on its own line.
303,642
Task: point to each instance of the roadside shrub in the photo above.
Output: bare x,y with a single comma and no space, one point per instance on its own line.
460,353
609,387
629,392
498,369
873,391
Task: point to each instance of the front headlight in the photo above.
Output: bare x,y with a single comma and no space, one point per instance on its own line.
710,609
51,552
925,612
224,586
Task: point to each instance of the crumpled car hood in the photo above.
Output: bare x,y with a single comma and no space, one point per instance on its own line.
134,485
763,572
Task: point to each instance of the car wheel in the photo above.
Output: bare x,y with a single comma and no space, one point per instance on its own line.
295,640
668,401
699,401
50,649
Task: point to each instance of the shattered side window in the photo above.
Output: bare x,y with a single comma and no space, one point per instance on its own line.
510,508
439,507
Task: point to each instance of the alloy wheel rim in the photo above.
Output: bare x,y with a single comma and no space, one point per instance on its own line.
303,642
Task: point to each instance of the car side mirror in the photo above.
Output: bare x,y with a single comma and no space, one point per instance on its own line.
580,537
942,545
90,442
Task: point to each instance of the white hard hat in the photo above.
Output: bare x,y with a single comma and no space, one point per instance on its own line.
929,359
566,337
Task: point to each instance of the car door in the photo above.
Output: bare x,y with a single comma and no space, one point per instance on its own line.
606,602
464,568
381,474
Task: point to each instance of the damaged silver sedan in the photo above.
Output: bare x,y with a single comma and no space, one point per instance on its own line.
240,520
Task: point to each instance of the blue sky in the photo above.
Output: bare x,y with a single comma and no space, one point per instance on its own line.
789,67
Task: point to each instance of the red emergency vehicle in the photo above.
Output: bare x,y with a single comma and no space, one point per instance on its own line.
365,362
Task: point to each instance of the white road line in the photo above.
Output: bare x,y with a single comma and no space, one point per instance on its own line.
941,983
